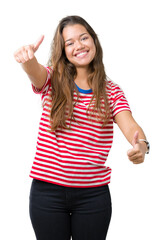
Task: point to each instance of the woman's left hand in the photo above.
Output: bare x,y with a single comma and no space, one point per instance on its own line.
137,153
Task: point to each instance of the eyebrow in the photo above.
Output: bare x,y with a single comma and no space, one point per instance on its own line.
79,36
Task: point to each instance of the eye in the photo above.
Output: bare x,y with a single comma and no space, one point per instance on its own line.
84,38
69,44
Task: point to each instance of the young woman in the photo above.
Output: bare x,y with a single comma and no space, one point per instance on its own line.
70,194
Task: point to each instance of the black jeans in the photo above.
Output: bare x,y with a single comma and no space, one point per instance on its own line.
59,213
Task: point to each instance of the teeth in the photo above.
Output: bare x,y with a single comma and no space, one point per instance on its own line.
80,54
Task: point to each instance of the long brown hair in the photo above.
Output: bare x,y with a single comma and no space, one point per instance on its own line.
64,72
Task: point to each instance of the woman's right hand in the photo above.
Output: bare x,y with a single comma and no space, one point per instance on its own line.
26,53
35,71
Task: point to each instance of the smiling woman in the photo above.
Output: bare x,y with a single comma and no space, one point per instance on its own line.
76,54
70,194
80,49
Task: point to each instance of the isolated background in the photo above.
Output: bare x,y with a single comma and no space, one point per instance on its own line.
130,33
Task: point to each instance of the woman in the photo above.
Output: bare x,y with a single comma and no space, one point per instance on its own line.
70,194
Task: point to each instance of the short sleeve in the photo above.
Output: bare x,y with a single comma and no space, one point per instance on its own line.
119,102
47,84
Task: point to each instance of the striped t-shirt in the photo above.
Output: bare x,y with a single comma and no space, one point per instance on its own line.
76,157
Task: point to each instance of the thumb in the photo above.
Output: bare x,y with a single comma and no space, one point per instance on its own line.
135,138
38,43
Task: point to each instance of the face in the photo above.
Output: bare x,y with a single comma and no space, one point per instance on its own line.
79,45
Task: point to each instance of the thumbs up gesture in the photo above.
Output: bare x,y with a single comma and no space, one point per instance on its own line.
26,53
137,153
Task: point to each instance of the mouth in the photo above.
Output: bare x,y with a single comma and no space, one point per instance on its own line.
81,54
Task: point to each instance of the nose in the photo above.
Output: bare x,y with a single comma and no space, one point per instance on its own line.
79,45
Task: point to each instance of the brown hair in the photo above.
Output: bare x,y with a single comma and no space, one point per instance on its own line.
64,72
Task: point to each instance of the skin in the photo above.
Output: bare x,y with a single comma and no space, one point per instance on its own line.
77,40
35,71
133,132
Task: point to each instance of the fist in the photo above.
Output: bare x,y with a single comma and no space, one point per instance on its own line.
26,53
137,153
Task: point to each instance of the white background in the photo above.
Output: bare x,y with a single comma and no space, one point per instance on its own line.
130,33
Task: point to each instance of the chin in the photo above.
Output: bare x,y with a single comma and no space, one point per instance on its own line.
82,64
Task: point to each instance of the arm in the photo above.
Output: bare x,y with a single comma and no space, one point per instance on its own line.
133,132
35,71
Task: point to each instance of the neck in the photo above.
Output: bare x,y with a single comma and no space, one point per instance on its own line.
82,78
82,74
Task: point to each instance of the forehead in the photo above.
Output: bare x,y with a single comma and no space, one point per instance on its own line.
73,31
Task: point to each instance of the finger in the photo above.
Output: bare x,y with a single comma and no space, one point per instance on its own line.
17,59
132,152
30,54
25,55
135,138
135,158
21,58
38,42
19,55
138,161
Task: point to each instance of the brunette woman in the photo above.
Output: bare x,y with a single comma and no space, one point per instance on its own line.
70,194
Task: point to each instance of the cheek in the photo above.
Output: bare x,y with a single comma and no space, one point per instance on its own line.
68,53
93,47
94,51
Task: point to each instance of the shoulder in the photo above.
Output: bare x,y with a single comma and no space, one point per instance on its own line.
112,87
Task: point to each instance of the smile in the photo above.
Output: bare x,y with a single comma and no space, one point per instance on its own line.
81,54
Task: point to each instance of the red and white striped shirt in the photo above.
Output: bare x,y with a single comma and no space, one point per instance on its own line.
76,157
